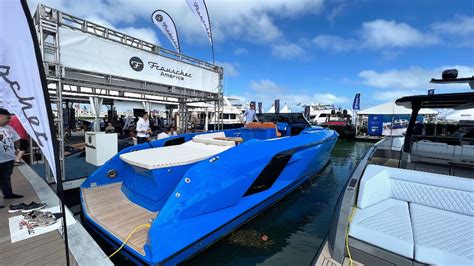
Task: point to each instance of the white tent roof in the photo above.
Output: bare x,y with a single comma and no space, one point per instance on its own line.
271,110
390,108
285,109
456,115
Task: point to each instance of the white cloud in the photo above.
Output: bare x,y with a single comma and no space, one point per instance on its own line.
412,78
382,33
240,51
287,51
265,86
230,69
460,25
328,98
377,34
267,91
334,43
145,34
395,94
253,21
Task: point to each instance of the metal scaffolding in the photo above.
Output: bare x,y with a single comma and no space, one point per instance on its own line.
69,83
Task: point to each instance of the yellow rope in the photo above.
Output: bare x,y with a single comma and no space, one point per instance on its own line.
351,263
128,237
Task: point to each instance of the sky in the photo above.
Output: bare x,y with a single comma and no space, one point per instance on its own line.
315,51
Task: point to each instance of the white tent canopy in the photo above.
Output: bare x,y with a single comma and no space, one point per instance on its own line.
390,108
285,109
456,115
271,110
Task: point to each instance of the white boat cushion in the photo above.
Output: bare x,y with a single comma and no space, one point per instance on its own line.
449,193
374,186
186,153
386,225
210,139
442,237
211,135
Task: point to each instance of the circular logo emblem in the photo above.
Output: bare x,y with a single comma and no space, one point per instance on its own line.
159,18
136,63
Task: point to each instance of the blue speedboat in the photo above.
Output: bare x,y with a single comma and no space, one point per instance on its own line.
172,198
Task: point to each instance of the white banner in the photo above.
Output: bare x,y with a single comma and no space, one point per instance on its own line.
21,89
166,24
199,8
85,51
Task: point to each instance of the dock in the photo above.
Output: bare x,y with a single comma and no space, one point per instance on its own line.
48,248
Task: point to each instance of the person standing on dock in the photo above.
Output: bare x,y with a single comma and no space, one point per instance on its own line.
8,137
250,115
143,129
16,125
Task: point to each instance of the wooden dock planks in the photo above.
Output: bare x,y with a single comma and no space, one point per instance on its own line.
39,250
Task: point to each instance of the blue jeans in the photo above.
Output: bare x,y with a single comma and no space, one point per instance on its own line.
6,170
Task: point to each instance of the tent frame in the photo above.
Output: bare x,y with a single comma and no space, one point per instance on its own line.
84,84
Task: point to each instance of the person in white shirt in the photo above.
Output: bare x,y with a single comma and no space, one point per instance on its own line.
8,137
143,129
163,135
250,115
173,131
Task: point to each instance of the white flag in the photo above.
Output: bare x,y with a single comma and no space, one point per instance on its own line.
22,89
199,8
167,26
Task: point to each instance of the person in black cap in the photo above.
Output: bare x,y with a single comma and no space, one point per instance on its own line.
8,136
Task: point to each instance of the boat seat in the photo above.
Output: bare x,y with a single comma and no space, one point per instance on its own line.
217,138
442,237
387,195
265,125
386,225
169,156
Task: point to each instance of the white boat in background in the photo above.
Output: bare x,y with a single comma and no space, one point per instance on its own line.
231,115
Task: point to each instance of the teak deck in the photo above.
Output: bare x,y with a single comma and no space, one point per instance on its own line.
45,249
112,210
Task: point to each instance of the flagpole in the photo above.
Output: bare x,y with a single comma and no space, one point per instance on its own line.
59,177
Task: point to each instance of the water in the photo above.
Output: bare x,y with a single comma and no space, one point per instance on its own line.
296,226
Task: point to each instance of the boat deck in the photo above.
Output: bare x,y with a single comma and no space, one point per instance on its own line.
45,249
112,210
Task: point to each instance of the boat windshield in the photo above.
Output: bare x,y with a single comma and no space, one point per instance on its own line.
290,118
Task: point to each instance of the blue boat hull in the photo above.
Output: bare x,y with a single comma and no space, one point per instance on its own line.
224,194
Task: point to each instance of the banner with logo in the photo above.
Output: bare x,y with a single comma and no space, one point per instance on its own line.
84,51
199,8
166,24
23,89
356,103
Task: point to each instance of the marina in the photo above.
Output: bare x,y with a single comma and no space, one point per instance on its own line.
300,137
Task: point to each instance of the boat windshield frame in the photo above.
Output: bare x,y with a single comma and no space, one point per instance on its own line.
290,118
446,100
